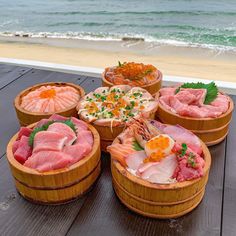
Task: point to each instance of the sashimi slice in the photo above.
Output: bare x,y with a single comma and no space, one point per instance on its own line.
80,125
49,160
64,130
160,172
84,136
49,141
181,135
24,131
134,160
77,151
23,150
167,91
57,117
120,151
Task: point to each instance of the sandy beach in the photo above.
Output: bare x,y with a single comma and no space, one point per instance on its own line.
171,60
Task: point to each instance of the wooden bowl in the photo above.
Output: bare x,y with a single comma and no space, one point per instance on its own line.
162,201
210,130
152,88
57,186
26,118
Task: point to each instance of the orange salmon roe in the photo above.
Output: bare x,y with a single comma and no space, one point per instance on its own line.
134,71
160,142
155,156
50,93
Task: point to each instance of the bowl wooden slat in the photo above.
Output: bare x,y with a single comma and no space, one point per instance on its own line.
47,187
26,118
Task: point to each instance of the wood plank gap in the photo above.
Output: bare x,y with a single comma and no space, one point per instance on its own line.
223,189
16,79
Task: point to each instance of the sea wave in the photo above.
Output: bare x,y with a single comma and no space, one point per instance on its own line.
119,37
201,13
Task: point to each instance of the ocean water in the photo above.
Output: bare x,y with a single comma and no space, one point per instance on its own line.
195,23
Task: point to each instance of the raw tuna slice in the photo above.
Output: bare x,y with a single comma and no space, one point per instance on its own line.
159,172
49,141
185,97
15,146
49,160
167,91
182,135
77,151
79,124
42,122
57,117
85,136
24,131
134,160
200,95
65,130
23,150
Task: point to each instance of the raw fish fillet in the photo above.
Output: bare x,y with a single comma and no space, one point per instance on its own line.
49,141
64,130
23,150
49,160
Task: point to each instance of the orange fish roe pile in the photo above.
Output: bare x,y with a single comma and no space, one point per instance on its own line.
161,143
50,93
134,71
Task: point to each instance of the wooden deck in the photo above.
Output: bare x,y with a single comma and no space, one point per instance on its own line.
100,212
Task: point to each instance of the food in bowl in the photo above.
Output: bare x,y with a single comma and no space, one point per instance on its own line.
196,100
132,73
159,153
54,143
116,105
50,98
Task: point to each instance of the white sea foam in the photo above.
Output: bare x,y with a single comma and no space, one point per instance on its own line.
118,37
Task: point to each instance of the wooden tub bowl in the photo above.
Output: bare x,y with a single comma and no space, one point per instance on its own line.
57,186
162,201
152,88
210,130
26,117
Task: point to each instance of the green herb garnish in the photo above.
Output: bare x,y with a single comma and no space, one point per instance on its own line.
45,127
120,64
182,152
136,146
211,88
191,160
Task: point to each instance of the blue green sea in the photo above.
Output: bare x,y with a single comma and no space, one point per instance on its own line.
196,23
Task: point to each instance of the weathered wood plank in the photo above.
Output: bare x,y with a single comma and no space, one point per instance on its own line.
103,214
8,122
91,83
229,207
9,73
20,217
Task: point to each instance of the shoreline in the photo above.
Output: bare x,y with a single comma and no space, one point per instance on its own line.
173,60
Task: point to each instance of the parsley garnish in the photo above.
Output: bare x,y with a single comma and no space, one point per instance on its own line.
211,88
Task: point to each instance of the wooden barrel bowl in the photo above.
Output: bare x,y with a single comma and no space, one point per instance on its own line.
57,186
163,201
26,118
210,130
152,88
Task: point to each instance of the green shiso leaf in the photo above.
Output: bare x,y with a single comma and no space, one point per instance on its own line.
45,127
211,88
136,146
